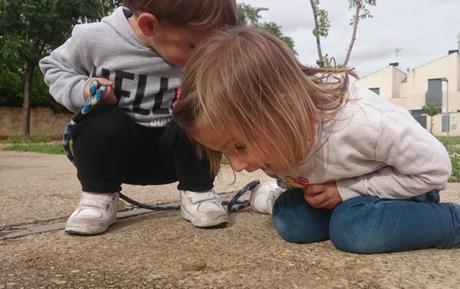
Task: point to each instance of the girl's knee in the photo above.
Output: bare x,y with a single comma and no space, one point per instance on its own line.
293,221
354,227
288,229
282,219
344,240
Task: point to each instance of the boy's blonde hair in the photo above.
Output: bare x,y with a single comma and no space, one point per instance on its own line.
189,13
246,84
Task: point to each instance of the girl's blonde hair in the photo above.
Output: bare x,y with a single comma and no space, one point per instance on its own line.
202,14
246,84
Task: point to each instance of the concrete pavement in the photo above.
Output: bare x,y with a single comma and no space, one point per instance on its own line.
158,250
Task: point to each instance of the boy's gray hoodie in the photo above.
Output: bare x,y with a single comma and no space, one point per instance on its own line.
144,83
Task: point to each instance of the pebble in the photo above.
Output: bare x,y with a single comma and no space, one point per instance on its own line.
196,265
58,282
199,265
154,276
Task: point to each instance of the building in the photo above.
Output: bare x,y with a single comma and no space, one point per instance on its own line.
436,83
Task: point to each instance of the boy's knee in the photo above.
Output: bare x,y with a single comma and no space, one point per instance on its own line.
105,123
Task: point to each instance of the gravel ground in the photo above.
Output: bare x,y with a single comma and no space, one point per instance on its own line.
161,250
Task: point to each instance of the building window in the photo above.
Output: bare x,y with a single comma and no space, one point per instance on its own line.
445,123
434,93
375,90
420,116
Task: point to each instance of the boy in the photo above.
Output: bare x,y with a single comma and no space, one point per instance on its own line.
138,53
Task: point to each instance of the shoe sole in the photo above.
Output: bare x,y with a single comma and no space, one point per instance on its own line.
205,223
81,233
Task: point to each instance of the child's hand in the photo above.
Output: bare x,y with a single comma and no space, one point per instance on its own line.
323,195
108,97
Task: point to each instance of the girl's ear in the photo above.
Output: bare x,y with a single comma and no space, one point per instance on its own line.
148,23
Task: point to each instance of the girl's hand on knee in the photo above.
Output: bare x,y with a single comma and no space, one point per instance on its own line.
323,196
109,97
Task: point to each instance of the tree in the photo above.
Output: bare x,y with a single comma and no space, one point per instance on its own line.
322,25
431,110
249,15
30,29
105,7
361,12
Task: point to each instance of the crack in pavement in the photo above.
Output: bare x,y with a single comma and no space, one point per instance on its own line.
34,228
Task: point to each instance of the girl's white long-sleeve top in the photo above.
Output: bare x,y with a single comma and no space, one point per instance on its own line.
375,148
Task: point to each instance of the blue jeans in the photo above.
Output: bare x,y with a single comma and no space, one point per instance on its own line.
369,224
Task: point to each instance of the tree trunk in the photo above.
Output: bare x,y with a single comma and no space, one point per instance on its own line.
103,11
28,79
318,40
355,29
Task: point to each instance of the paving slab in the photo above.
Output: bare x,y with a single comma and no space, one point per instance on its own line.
161,250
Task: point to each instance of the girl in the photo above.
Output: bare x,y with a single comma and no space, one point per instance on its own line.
357,169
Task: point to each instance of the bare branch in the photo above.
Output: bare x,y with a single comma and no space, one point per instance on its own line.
356,17
317,36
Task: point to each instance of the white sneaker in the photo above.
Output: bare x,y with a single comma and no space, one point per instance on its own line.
264,195
94,214
203,209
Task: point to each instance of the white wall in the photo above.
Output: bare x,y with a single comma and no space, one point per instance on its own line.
409,90
437,125
388,80
416,84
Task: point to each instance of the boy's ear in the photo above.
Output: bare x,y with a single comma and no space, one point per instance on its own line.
148,23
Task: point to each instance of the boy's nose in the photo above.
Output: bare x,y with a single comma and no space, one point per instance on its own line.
238,165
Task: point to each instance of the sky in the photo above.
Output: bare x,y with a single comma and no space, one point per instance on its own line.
410,32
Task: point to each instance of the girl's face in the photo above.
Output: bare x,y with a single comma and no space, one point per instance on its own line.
240,155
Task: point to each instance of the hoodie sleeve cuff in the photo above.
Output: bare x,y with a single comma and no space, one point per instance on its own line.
76,97
349,188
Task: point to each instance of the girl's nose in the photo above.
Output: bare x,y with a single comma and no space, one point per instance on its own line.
237,164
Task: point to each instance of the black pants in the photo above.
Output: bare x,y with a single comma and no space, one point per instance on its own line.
111,149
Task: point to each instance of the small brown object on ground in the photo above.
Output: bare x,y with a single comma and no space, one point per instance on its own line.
199,265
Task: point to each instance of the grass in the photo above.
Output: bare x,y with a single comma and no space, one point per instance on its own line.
452,145
35,143
20,139
47,148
